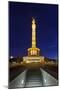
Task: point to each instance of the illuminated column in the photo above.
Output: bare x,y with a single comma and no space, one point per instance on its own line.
33,33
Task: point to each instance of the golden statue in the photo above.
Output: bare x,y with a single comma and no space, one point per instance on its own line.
33,24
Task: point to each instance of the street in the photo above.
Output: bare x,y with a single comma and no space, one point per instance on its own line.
33,78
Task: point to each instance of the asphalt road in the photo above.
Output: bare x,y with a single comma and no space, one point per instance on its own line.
33,78
54,74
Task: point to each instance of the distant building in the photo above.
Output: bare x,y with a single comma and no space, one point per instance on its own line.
19,59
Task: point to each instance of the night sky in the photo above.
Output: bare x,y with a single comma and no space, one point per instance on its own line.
20,19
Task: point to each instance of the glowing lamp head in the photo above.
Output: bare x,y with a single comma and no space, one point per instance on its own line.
11,57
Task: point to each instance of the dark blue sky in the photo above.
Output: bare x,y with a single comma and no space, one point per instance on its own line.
20,18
